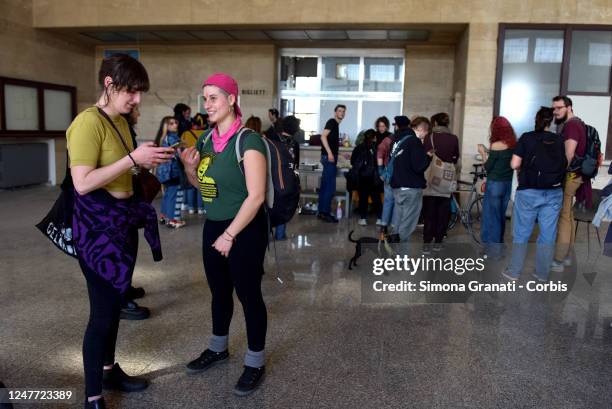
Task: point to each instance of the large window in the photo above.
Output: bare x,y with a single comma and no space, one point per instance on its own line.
369,82
536,63
29,108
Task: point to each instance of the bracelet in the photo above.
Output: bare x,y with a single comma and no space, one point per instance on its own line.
233,238
227,239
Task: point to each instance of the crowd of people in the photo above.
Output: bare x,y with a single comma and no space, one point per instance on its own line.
414,167
417,168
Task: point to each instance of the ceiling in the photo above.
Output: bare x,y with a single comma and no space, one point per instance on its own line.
431,34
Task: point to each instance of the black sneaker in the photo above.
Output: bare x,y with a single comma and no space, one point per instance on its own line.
133,312
134,293
116,379
249,381
207,360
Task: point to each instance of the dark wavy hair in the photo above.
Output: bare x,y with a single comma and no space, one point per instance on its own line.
126,73
382,119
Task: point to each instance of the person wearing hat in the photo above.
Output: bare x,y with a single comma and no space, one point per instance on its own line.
496,159
236,230
408,178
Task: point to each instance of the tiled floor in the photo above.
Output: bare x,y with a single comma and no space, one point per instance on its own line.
325,348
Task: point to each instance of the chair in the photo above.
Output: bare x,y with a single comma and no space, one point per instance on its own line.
583,215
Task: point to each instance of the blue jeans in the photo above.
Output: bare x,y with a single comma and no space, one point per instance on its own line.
194,199
495,203
387,212
169,201
280,232
408,204
328,185
531,205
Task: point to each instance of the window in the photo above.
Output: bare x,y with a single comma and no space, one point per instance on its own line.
531,74
35,108
538,62
313,81
590,61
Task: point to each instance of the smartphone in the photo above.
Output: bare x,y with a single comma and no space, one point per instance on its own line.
176,145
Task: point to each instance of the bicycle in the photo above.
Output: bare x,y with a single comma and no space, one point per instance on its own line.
470,214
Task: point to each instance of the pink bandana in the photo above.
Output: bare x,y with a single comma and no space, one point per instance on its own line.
221,141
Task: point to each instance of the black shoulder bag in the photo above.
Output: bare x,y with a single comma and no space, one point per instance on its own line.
146,186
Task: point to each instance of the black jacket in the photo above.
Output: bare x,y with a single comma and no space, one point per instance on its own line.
410,163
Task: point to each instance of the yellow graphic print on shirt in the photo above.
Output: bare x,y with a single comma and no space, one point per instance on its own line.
208,186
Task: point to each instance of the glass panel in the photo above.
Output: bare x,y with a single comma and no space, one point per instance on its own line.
590,60
372,110
21,108
383,74
531,74
348,125
340,74
299,73
58,110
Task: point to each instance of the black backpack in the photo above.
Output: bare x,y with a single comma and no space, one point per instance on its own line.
547,167
588,165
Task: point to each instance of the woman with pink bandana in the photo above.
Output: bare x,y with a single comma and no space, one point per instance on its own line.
236,229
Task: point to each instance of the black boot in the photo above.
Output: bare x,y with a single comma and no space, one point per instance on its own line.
132,311
96,404
118,380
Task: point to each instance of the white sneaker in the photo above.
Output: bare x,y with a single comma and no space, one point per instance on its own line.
183,206
363,222
201,211
379,222
567,261
191,211
557,267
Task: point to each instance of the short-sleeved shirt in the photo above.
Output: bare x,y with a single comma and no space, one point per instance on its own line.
93,142
222,183
574,129
525,149
190,137
332,138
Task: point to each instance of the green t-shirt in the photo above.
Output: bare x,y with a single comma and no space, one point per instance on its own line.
222,184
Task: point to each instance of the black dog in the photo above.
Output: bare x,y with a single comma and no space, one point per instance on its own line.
393,238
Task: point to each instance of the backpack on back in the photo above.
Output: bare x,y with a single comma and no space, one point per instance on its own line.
589,164
388,171
282,180
547,168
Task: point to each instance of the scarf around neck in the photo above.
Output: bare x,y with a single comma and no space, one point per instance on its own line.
221,141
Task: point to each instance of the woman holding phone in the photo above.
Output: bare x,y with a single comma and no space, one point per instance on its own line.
107,215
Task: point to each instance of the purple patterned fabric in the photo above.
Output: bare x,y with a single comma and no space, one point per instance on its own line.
102,226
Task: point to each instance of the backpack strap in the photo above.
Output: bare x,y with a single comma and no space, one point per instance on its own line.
203,140
240,146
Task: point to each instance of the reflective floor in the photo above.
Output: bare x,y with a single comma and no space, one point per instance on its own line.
325,348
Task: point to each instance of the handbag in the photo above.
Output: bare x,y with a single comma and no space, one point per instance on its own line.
57,224
441,176
145,184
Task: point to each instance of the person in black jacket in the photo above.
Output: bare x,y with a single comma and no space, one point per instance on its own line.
290,125
363,161
408,179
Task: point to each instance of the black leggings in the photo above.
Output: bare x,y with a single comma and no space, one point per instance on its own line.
436,215
243,270
100,338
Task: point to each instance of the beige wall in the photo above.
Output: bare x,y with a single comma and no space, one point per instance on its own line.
92,13
428,80
34,55
176,74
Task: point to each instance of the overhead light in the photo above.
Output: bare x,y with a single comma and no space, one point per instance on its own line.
327,34
367,34
287,34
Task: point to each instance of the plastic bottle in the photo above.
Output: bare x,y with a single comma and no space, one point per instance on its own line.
339,210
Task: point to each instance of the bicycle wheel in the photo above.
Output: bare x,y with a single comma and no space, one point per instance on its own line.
474,218
454,214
